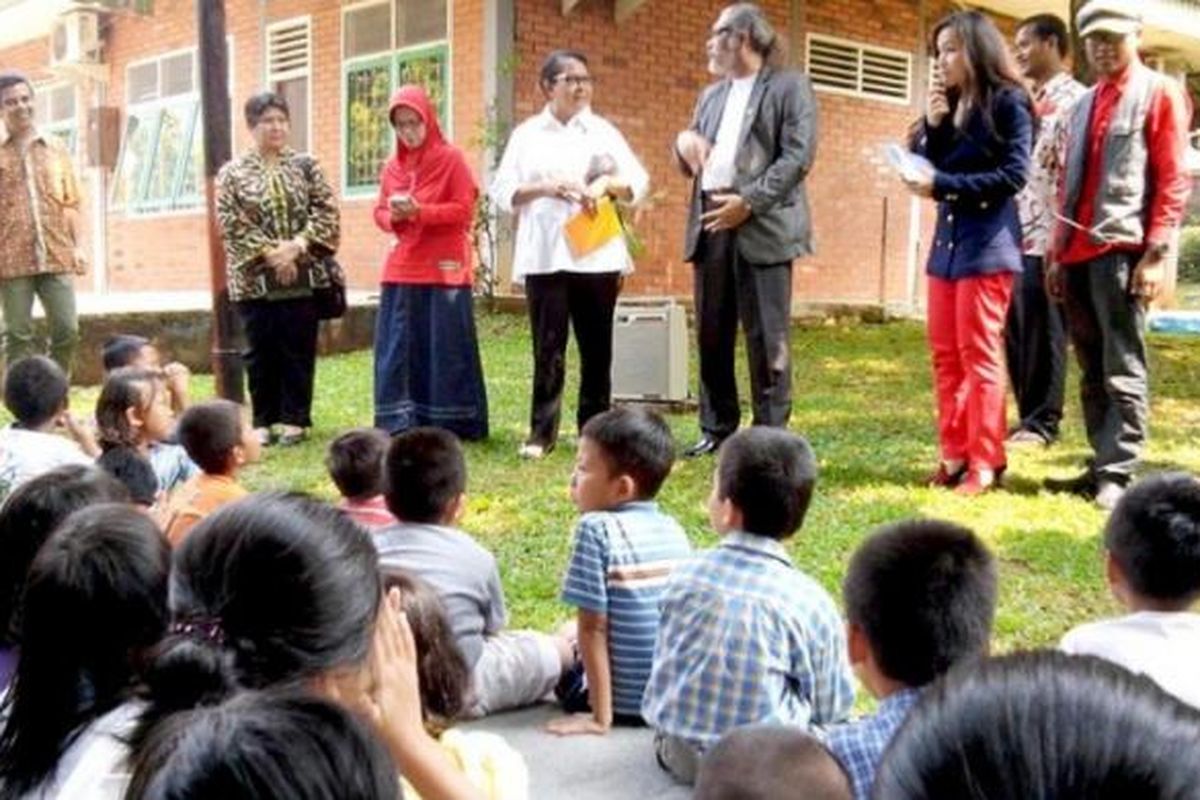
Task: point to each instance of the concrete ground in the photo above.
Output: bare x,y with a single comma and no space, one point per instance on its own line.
619,766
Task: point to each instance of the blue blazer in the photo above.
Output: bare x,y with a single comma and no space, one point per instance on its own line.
980,170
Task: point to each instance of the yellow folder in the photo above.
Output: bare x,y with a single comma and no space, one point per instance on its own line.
587,233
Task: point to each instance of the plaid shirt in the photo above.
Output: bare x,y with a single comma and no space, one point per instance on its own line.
746,638
858,746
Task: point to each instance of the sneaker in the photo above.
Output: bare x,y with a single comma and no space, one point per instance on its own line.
1083,485
1025,436
1108,493
531,451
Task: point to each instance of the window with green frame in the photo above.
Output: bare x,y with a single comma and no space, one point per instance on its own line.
386,45
162,155
55,114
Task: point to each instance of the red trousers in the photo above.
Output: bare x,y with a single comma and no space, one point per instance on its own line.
966,337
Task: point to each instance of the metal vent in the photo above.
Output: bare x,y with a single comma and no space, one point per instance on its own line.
858,70
289,49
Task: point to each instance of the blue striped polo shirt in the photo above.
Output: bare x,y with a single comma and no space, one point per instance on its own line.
620,562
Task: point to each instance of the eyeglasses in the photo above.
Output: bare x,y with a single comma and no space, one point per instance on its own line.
408,124
575,81
721,32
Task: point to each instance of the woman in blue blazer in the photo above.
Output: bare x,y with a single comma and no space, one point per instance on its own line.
977,132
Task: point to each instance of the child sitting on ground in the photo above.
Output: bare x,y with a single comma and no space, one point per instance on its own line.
219,438
355,462
133,470
1153,566
427,480
623,553
133,411
35,393
746,637
920,598
128,350
488,762
769,762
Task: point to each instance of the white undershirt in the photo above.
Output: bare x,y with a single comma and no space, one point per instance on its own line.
719,170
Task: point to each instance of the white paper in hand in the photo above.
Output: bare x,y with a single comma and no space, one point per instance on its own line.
909,166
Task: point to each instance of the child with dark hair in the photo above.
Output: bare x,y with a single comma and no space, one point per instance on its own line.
746,637
95,602
27,519
1153,569
133,411
263,746
282,591
1044,725
134,470
130,350
426,491
485,758
769,762
623,552
920,598
35,393
355,462
218,437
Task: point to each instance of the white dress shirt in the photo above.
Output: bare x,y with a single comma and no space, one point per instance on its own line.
543,149
719,170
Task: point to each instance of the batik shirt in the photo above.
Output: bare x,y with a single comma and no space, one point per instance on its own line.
260,205
38,192
1037,200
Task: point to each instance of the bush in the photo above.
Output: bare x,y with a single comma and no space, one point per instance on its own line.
1189,254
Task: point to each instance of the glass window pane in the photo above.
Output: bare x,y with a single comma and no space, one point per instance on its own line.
295,92
420,21
169,148
189,183
429,69
177,74
134,155
368,134
368,30
143,83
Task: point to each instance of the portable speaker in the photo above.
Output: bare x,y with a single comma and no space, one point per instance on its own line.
650,356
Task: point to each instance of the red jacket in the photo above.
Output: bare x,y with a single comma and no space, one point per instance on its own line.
433,247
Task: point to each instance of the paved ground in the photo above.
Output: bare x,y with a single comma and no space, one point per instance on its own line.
619,766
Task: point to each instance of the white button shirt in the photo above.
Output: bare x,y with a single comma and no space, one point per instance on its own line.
543,149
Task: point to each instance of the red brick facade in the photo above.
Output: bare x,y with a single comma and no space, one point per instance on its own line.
649,71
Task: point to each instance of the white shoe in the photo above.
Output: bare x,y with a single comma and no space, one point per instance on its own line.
533,452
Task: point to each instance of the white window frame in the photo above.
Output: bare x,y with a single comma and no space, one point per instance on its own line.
862,48
272,78
70,126
176,204
394,54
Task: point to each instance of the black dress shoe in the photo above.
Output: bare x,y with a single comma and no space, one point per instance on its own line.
1083,485
706,445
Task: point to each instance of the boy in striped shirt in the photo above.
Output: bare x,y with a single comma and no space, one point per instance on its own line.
623,552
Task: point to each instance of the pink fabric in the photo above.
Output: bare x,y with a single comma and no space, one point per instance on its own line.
966,337
371,513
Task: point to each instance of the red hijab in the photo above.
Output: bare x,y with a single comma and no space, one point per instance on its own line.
427,169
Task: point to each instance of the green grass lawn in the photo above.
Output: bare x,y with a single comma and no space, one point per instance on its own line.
862,397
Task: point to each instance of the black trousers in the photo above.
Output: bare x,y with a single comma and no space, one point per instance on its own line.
760,295
1106,324
281,358
1036,349
585,303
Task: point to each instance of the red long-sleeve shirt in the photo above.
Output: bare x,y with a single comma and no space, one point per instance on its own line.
1167,183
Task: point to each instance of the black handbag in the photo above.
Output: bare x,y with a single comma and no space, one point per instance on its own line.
331,298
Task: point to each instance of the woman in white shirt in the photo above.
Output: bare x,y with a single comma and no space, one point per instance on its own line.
557,163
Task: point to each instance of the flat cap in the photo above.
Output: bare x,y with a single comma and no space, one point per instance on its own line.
1108,16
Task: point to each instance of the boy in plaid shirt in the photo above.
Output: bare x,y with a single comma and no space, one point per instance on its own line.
920,597
745,636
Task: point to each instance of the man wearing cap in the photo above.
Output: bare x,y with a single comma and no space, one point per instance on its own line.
39,223
1122,198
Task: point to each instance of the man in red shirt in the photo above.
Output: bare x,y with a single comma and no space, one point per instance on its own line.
1122,196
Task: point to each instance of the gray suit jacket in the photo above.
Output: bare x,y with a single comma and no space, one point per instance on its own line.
778,141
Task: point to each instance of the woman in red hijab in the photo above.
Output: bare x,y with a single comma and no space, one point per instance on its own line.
427,369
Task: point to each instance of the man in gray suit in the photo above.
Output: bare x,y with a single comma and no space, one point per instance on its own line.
748,150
